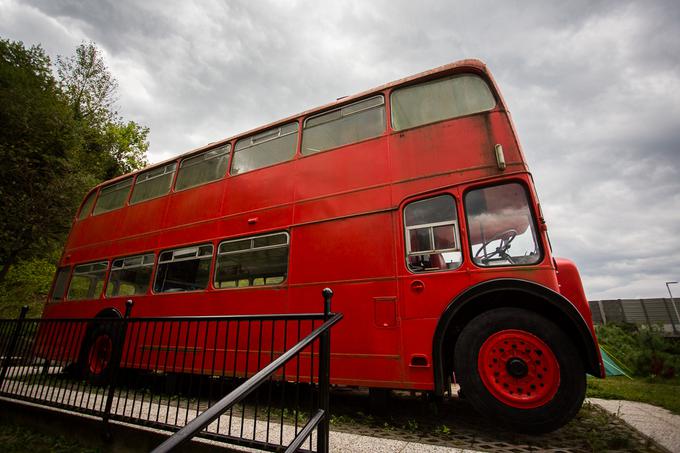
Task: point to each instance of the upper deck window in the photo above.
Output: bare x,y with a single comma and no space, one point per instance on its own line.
153,183
87,281
185,269
501,226
87,205
438,100
266,148
349,124
203,168
130,276
113,196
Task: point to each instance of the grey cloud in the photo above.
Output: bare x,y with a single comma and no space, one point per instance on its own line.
594,87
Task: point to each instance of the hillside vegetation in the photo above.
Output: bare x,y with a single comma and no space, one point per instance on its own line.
60,135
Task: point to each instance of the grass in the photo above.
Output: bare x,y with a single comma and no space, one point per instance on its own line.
26,283
15,439
659,392
599,434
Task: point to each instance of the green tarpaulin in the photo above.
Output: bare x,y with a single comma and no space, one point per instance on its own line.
610,366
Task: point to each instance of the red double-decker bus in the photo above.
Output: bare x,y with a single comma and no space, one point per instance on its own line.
413,201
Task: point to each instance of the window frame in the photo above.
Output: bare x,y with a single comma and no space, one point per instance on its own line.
534,223
158,263
172,181
265,138
129,179
51,298
123,258
431,227
74,274
228,152
394,90
251,249
379,95
456,235
81,215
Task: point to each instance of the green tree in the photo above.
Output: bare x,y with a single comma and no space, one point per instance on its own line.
59,136
37,136
88,85
110,146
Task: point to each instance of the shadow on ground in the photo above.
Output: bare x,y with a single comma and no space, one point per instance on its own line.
454,423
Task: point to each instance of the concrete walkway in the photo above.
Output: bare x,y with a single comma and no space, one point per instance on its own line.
353,443
655,422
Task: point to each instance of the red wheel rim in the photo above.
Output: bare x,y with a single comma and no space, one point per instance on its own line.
518,369
100,354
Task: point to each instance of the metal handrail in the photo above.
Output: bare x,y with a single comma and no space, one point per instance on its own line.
290,316
306,431
209,415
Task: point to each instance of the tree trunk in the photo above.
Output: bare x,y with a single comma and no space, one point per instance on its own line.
11,259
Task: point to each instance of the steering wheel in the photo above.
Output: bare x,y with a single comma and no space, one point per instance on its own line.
506,237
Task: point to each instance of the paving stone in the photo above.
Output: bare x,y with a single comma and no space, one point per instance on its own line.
655,422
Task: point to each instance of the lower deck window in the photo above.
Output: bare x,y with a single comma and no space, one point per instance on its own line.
185,269
60,283
130,276
87,281
257,261
432,234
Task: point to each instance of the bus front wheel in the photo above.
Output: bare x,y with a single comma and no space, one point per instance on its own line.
519,367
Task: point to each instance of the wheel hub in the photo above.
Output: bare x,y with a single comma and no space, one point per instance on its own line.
518,369
100,354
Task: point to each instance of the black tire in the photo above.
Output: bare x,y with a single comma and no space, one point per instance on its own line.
497,391
96,353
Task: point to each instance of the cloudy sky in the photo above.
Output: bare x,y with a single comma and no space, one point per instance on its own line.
593,86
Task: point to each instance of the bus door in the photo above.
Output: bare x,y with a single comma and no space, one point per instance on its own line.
431,274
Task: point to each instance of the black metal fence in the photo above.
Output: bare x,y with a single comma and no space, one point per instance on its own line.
165,372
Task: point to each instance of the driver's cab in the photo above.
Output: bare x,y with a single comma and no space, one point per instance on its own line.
500,226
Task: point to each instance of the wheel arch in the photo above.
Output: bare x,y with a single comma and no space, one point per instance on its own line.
508,293
109,312
86,338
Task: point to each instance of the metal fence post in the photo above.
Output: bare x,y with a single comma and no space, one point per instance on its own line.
324,377
9,353
670,314
644,311
116,356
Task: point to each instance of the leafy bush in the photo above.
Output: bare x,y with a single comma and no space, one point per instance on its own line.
646,351
26,283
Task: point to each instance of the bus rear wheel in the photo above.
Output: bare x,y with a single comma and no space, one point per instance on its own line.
520,368
96,357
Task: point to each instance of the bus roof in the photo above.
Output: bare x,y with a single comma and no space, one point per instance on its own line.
471,63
